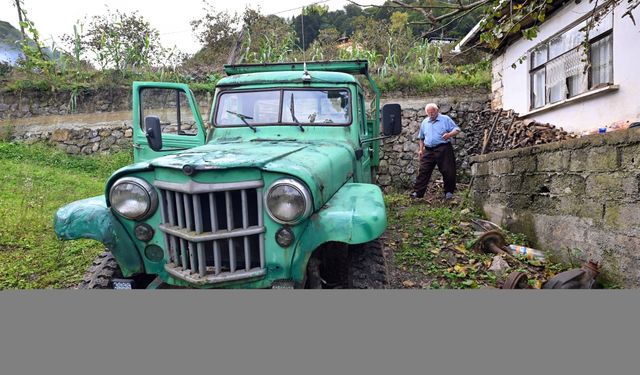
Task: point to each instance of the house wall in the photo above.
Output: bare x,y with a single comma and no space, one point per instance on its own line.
578,199
591,112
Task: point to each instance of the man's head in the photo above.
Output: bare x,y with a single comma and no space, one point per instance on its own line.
432,111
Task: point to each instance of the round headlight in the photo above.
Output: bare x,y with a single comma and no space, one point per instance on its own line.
133,198
288,201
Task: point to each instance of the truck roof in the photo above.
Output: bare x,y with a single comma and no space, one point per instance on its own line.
287,77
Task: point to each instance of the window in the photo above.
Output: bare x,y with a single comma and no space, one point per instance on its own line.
172,107
253,107
559,69
316,106
271,107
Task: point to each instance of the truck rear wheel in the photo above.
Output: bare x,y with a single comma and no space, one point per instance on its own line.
101,273
366,266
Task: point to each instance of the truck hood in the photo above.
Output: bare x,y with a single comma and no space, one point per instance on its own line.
323,165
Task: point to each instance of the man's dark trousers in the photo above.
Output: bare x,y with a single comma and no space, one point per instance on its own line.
443,157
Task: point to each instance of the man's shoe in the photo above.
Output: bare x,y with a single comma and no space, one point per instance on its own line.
448,196
414,195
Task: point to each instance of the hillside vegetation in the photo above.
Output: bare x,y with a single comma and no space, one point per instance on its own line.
116,48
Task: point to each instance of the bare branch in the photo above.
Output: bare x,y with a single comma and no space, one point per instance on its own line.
439,6
454,19
427,14
632,5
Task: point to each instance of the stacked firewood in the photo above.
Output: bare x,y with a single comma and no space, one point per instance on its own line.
504,131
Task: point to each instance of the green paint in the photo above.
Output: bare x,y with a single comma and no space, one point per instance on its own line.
324,157
355,214
90,218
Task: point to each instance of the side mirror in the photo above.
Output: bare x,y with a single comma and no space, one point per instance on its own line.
391,119
154,132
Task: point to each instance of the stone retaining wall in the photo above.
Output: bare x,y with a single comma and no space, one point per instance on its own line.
398,156
399,161
32,103
579,199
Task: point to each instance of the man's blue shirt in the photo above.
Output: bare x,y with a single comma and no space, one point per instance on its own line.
431,132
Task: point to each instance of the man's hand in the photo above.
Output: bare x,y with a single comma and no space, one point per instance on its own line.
452,134
420,151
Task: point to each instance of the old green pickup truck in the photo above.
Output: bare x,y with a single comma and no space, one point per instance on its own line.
273,191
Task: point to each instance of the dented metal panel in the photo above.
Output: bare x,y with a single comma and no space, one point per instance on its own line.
90,218
355,214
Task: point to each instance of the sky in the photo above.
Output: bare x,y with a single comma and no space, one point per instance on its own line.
171,18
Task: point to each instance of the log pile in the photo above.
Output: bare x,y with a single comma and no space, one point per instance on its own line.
505,131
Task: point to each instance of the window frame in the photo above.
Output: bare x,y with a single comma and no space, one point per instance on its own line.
180,94
281,91
543,66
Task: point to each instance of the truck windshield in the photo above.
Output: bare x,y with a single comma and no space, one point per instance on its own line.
273,107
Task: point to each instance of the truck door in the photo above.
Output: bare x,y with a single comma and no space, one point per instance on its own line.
180,119
364,134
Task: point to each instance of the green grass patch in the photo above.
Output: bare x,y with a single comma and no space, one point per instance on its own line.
36,181
415,83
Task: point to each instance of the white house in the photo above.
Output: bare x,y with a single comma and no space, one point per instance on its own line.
552,85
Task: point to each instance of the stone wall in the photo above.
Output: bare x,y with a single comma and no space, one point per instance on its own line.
579,199
85,139
32,103
104,131
398,155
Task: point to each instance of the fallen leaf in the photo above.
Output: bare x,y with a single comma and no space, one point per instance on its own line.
461,249
460,270
538,284
534,262
469,283
408,284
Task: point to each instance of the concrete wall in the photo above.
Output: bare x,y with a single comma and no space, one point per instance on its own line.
621,104
579,199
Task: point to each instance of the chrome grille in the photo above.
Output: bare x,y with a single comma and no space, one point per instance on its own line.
213,232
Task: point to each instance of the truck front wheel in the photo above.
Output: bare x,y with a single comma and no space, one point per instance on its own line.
101,273
366,266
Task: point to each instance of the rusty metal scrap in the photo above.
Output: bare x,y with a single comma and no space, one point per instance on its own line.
577,278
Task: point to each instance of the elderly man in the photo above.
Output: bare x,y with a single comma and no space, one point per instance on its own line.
435,149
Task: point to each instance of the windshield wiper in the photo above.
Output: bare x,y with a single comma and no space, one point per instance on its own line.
293,113
244,118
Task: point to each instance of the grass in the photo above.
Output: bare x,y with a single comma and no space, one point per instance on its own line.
417,83
36,181
434,246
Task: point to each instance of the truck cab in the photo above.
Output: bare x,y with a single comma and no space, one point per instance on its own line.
274,190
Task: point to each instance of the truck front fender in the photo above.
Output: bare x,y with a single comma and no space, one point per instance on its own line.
91,218
355,214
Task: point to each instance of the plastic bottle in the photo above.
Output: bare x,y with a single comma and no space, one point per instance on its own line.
527,252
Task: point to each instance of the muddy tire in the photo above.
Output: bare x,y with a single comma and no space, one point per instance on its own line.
366,266
101,273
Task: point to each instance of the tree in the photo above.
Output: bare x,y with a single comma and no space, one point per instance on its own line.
120,41
266,38
501,19
314,18
216,30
